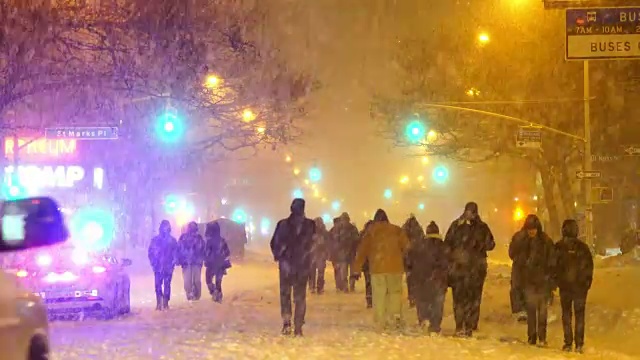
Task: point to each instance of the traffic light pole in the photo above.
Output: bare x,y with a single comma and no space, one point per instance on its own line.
588,165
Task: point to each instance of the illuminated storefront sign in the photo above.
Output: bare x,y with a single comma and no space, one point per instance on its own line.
34,178
40,147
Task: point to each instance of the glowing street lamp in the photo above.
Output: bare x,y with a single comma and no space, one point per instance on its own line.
518,214
483,38
315,174
425,160
335,205
404,180
431,135
440,174
296,171
213,81
287,158
248,115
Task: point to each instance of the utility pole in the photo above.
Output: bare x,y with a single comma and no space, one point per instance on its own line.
588,205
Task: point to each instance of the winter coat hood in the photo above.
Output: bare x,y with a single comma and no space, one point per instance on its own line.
433,229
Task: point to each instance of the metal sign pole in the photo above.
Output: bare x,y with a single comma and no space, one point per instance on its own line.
588,208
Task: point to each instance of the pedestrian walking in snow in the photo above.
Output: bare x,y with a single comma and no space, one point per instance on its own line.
162,256
345,237
216,260
428,263
517,253
319,255
366,271
468,240
385,246
415,233
291,246
536,275
191,254
574,274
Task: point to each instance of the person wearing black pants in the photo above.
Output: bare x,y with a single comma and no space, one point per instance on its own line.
319,256
292,247
467,242
216,260
574,274
162,255
537,272
368,291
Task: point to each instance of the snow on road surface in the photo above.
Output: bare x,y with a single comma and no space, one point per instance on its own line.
247,324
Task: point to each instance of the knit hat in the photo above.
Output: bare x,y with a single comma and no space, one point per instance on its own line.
432,228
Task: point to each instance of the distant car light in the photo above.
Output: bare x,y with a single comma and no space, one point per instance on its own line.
44,260
22,273
99,269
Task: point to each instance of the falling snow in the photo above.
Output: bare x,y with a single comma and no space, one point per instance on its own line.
247,324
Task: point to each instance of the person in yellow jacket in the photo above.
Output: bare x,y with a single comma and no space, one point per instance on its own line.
384,245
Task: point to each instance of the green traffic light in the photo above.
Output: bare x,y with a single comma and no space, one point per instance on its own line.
415,131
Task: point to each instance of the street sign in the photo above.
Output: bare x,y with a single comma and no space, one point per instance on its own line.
567,4
602,195
82,133
602,33
529,137
588,174
632,150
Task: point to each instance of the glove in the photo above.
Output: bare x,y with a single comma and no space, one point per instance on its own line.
355,276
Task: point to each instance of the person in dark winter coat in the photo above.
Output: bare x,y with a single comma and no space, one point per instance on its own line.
415,233
191,254
216,259
468,240
574,274
162,256
518,260
319,255
366,271
428,263
291,246
536,259
345,238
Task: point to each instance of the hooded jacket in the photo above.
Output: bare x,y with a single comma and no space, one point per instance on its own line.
413,229
191,247
216,253
163,252
427,259
533,257
574,269
345,238
321,241
468,242
385,246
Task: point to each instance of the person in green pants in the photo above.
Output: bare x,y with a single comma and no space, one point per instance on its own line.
385,246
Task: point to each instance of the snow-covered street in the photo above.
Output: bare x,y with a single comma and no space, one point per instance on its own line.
247,325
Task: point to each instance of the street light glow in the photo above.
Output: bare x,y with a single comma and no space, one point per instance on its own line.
213,82
388,194
483,38
404,179
287,158
248,115
432,135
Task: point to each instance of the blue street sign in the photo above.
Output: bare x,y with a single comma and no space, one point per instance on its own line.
603,33
82,133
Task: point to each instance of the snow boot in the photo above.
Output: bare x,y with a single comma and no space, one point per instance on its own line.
297,331
286,328
165,304
579,349
158,303
567,348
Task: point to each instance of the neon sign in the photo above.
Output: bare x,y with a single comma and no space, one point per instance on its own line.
41,147
34,178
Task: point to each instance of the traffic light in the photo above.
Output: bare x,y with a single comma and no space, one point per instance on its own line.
388,194
171,204
315,174
440,174
297,194
12,188
239,216
421,206
415,131
169,127
335,205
